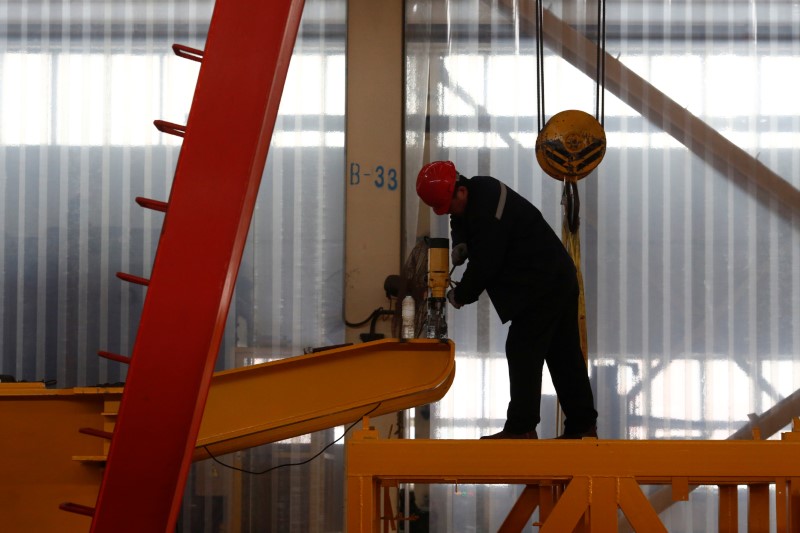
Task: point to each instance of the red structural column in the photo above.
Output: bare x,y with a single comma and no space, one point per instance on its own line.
207,219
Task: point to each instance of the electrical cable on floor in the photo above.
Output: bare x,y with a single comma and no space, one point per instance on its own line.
245,471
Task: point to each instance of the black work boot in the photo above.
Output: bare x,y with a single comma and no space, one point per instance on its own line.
590,433
508,435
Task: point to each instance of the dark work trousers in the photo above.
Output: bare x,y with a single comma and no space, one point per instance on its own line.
548,333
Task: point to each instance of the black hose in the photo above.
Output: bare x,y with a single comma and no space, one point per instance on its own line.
372,317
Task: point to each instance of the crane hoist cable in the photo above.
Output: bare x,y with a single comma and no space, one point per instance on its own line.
570,145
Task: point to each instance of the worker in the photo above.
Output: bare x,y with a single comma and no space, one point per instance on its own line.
514,254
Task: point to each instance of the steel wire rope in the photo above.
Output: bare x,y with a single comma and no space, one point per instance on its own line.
570,199
539,66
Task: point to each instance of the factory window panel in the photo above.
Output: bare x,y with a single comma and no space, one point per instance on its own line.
456,103
179,78
493,405
25,98
742,139
661,140
676,392
301,92
565,87
627,372
681,78
471,139
135,100
463,90
81,99
516,95
786,140
334,84
459,402
524,139
693,81
617,108
726,388
300,439
731,83
779,80
315,85
298,139
113,98
782,376
465,403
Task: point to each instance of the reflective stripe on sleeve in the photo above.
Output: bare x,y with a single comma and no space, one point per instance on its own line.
501,203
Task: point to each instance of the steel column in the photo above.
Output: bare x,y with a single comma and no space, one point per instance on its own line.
794,504
728,509
604,495
758,508
781,509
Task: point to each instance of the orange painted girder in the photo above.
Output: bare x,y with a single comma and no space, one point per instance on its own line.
601,475
508,461
273,401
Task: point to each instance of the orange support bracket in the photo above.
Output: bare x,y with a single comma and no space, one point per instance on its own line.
570,507
213,195
758,508
521,512
637,508
388,517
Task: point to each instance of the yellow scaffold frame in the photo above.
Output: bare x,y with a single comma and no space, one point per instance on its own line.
580,485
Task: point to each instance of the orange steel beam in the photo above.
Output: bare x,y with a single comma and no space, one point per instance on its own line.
46,461
601,475
246,407
226,138
265,403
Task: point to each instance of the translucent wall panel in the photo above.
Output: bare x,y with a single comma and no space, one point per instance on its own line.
80,85
692,276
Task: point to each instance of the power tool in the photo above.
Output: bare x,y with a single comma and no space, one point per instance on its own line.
438,282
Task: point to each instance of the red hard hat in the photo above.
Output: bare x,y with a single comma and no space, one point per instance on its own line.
435,184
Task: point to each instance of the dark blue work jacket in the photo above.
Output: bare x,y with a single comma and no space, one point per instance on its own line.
514,254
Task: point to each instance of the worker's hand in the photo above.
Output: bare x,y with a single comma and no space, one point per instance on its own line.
451,297
459,254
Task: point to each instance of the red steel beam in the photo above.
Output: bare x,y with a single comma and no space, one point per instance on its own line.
230,126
